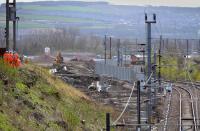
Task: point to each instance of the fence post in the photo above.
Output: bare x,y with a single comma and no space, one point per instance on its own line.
107,121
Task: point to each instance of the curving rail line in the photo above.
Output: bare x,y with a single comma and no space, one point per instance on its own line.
195,85
180,109
184,123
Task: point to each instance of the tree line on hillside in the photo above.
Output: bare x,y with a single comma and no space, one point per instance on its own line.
33,42
61,39
58,39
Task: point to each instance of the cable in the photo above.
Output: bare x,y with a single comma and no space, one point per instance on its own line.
114,123
148,79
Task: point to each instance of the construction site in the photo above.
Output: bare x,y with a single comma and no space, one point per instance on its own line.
66,80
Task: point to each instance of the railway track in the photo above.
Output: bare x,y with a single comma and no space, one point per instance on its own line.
187,110
117,97
196,92
172,114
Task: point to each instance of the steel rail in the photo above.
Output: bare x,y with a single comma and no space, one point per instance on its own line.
197,86
180,108
192,106
167,113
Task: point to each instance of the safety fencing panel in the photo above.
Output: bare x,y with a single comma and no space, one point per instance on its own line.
121,73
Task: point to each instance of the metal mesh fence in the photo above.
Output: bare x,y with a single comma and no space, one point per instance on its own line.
121,73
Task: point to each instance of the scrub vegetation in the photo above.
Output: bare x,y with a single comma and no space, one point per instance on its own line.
32,99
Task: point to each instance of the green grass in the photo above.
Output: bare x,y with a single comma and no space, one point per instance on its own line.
61,8
54,18
27,23
7,71
5,124
22,87
32,89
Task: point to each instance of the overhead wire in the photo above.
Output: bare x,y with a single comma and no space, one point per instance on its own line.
147,80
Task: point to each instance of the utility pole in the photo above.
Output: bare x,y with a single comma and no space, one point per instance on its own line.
167,42
199,47
121,56
138,107
154,77
10,16
143,57
159,66
105,49
14,25
149,66
163,45
175,43
110,47
118,52
125,55
7,25
187,48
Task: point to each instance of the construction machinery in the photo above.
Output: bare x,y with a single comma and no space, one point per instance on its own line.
10,57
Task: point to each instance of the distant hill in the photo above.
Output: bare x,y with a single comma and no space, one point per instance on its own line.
103,18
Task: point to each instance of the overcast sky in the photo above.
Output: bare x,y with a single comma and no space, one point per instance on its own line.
184,3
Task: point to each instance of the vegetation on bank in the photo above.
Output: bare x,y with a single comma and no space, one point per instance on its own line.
177,68
32,99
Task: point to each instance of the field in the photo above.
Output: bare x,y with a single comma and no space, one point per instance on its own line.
103,18
44,20
61,8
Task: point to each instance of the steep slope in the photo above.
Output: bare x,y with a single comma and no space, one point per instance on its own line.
34,100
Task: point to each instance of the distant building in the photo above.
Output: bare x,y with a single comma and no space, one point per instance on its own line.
47,51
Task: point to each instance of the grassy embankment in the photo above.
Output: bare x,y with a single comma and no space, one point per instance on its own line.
35,100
